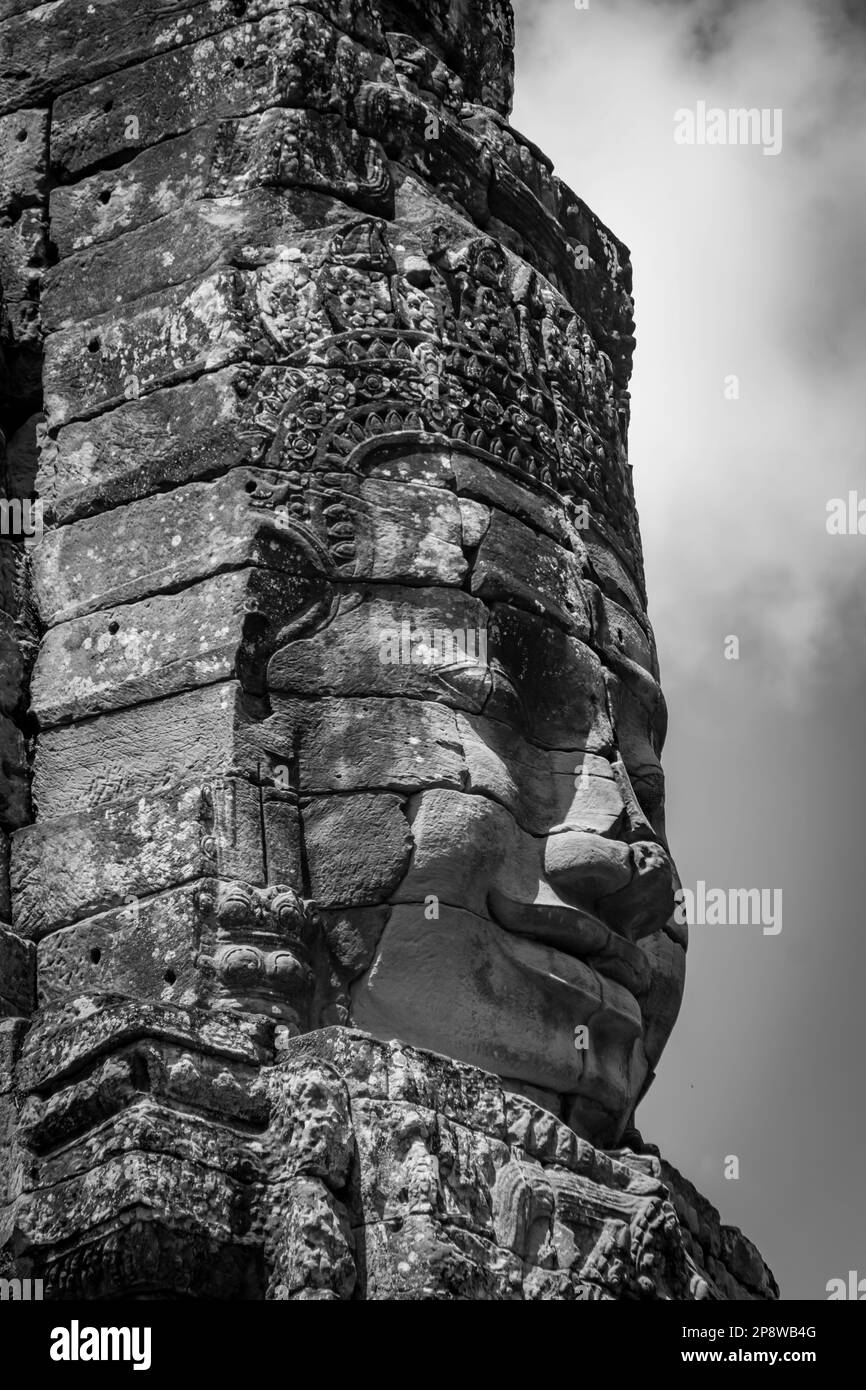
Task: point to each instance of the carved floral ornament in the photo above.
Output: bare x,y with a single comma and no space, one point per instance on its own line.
321,365
438,359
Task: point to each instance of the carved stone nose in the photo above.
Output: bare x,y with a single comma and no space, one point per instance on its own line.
584,867
647,901
629,886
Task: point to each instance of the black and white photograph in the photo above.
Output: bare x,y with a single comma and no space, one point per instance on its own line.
432,667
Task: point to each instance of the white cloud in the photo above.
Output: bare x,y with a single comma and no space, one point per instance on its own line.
743,265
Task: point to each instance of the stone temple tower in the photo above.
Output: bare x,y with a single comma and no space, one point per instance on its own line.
338,944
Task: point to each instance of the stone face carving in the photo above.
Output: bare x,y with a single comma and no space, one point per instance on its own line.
338,931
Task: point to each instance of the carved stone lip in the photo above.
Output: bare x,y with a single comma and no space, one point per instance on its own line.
575,932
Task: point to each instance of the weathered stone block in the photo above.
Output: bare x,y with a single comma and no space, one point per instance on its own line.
11,666
5,898
346,708
139,752
171,540
161,646
81,864
79,40
404,533
195,1194
354,745
174,1072
145,950
412,1160
353,933
544,790
23,159
171,336
358,849
168,438
512,567
241,227
17,975
544,669
14,779
382,642
289,59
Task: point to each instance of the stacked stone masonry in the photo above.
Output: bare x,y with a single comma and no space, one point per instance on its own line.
300,337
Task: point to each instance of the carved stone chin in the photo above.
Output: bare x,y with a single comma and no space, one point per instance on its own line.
337,906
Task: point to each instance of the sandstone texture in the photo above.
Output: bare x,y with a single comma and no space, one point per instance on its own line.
337,943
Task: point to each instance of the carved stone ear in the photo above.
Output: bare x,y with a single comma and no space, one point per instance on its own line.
280,607
264,951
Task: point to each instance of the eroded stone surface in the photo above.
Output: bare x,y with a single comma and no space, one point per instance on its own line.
336,931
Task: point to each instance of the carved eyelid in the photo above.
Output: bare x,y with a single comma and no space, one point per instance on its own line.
648,693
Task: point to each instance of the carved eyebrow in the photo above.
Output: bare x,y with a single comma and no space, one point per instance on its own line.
646,691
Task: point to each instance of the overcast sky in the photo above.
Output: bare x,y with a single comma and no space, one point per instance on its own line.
751,266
